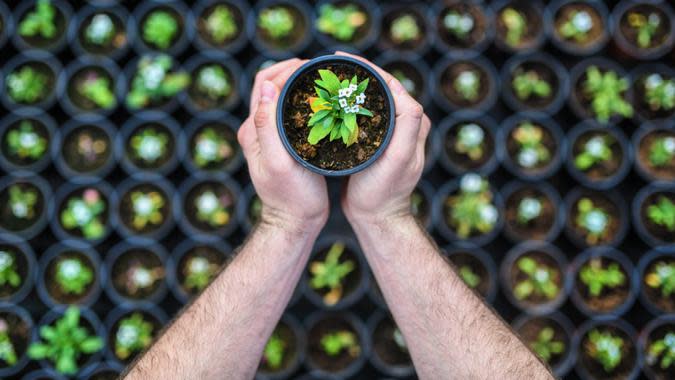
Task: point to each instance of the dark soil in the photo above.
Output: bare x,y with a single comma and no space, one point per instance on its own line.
449,75
545,73
190,209
387,40
599,201
329,325
203,30
169,147
222,131
658,334
204,102
350,283
603,169
7,219
654,295
548,140
610,298
640,99
466,259
134,258
38,128
529,332
411,72
40,42
21,267
156,328
585,99
335,155
631,35
294,37
477,34
666,172
79,78
421,209
660,232
77,231
180,21
535,24
536,229
19,334
462,160
565,13
287,335
386,347
517,276
80,145
116,42
628,356
362,31
126,208
43,69
211,254
54,289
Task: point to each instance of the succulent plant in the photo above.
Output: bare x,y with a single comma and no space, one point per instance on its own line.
545,346
221,24
330,273
335,342
606,348
341,22
277,21
472,209
134,334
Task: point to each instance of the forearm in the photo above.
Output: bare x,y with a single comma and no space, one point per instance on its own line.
450,332
223,333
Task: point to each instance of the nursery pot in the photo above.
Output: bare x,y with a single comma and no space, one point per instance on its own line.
178,11
481,36
292,332
638,90
248,212
655,235
652,299
40,61
286,46
376,87
62,17
26,268
481,263
413,67
69,191
657,328
199,103
203,41
457,163
611,202
533,12
21,332
74,102
601,29
43,125
641,142
102,371
225,126
387,356
151,313
390,13
9,222
548,223
125,32
364,36
444,74
667,26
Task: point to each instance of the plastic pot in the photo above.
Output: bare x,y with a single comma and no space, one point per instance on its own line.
641,142
203,41
533,11
69,191
73,164
126,31
43,125
228,126
460,163
185,208
507,148
220,253
126,250
39,60
10,223
638,92
26,267
233,72
649,232
549,69
7,23
661,8
480,38
527,325
553,257
413,68
609,198
166,104
105,370
517,233
43,374
151,313
590,130
289,47
595,9
384,326
20,321
364,37
47,274
632,281
441,77
318,63
244,207
650,297
62,17
104,67
656,329
390,13
482,263
288,327
358,278
181,15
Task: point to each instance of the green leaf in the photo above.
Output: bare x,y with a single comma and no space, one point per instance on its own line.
38,351
331,81
350,121
344,133
362,86
365,112
317,133
317,117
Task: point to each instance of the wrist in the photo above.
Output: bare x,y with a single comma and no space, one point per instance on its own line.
384,221
289,223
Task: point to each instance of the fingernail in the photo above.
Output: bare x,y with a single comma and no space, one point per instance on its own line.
397,87
267,92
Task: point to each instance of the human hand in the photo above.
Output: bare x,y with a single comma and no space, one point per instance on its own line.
293,197
382,191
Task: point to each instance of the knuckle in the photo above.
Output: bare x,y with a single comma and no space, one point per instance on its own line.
261,117
416,110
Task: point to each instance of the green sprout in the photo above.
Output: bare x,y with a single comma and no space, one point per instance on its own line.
336,342
663,348
406,82
341,22
663,213
472,209
65,342
7,351
540,280
147,208
545,347
214,81
160,29
646,27
134,334
98,90
467,84
212,209
529,84
659,92
210,147
149,144
139,277
605,91
662,276
597,277
605,348
8,270
73,276
221,24
530,139
153,81
470,278
27,85
516,25
22,201
405,29
40,21
596,150
458,24
577,26
25,142
86,213
470,138
529,209
100,30
278,22
199,272
662,151
594,220
274,352
330,273
335,109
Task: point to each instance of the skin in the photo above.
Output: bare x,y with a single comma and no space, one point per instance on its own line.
449,331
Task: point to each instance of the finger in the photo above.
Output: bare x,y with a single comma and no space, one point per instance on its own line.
420,152
266,125
409,116
279,76
248,140
385,75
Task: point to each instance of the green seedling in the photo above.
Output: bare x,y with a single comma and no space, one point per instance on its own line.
529,209
7,350
214,82
645,26
531,148
212,209
540,280
662,151
405,29
147,208
65,342
274,352
662,276
24,142
330,273
663,213
154,82
606,94
160,29
577,26
221,24
85,213
22,202
39,22
594,220
470,278
9,277
73,276
341,22
336,107
199,272
139,278
596,151
278,22
149,144
467,85
27,85
605,348
516,25
336,342
472,210
100,30
98,90
133,335
660,93
545,346
458,24
470,139
211,148
597,277
663,348
529,84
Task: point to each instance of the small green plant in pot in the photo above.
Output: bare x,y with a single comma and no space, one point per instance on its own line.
471,210
468,85
139,278
330,274
211,148
662,278
147,209
545,346
404,29
7,350
659,93
73,276
133,335
341,21
577,26
470,141
540,281
515,23
199,272
662,151
9,275
40,22
160,29
662,213
22,202
594,221
661,352
149,145
529,209
85,213
460,25
25,142
336,342
212,209
212,86
154,82
645,25
599,277
96,89
605,348
220,24
100,31
277,22
529,84
274,352
27,85
605,90
532,152
596,151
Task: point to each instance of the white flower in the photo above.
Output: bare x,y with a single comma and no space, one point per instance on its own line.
653,81
345,92
142,278
100,28
207,202
471,183
352,88
28,140
582,21
143,205
70,268
152,75
360,98
81,213
471,135
209,79
466,23
669,91
654,19
669,144
529,208
541,276
20,209
127,335
199,265
150,148
355,108
207,148
596,221
467,79
6,260
488,213
343,103
528,157
595,146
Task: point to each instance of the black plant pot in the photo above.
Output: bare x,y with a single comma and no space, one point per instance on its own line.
666,28
70,191
40,61
386,355
20,327
72,100
459,163
533,11
179,12
119,45
47,288
26,268
151,313
548,255
443,77
221,159
481,263
621,147
290,329
42,124
611,202
289,47
651,233
74,149
62,17
632,282
7,23
553,138
550,222
652,299
364,36
44,374
419,12
601,29
643,110
549,69
656,329
387,113
10,223
248,213
641,142
480,37
203,41
201,104
102,371
413,68
432,151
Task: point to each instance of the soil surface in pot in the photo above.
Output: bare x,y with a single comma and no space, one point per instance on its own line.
566,12
533,20
385,345
604,203
661,232
180,22
450,74
287,335
543,72
529,332
658,334
547,139
600,170
122,270
665,172
654,295
86,149
127,208
330,325
19,334
537,228
38,41
335,155
39,128
21,267
628,356
118,40
112,333
480,24
202,23
517,276
350,283
610,298
295,36
463,160
631,34
462,259
54,289
11,222
209,253
387,40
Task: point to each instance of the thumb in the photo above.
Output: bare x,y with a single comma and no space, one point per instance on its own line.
265,121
